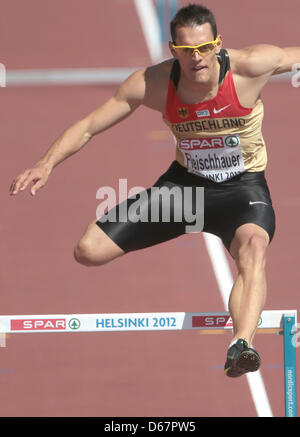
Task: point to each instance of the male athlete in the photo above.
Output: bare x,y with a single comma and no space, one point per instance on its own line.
210,99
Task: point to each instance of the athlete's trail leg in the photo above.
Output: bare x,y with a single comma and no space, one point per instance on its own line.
249,292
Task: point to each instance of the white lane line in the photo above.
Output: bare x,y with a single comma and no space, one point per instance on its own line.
225,282
151,28
259,394
220,266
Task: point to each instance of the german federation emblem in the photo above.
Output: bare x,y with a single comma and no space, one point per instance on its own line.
183,112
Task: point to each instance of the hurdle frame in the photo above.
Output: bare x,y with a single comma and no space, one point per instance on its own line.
271,322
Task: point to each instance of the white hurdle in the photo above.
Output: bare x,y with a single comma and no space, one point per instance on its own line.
277,321
270,322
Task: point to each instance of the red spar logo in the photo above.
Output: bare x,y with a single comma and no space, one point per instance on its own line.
37,324
213,321
202,143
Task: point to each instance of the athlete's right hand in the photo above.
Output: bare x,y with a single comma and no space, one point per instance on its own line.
38,175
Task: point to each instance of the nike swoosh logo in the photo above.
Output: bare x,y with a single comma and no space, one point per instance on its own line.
253,203
216,111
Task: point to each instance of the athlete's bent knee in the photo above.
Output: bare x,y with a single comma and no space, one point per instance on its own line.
91,252
84,253
87,254
253,252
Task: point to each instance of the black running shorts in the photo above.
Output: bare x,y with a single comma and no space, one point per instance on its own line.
227,205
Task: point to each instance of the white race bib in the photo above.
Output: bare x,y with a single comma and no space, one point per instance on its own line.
217,158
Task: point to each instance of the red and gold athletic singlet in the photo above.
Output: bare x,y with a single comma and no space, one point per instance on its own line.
218,138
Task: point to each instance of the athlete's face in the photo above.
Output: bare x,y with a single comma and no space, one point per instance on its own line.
195,67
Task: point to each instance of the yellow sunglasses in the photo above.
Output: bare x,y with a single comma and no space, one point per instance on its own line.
203,49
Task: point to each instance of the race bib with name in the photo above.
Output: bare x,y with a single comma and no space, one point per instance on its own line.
218,158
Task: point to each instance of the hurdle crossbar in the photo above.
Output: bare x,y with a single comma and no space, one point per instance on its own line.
277,321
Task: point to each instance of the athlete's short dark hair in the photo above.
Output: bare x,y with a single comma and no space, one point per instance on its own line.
193,15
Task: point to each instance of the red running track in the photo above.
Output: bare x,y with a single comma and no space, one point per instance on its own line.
124,374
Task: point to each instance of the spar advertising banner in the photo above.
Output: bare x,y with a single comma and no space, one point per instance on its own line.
130,322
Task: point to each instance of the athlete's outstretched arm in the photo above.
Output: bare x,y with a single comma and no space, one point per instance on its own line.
128,97
265,60
291,57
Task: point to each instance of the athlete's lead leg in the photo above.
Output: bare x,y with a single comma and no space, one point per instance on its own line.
95,248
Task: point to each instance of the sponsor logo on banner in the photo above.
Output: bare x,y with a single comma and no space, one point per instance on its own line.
37,324
74,324
213,321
